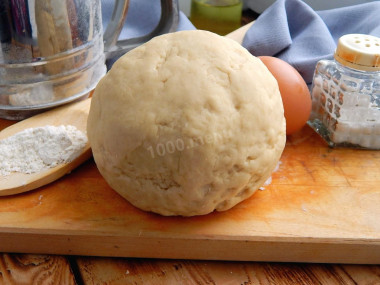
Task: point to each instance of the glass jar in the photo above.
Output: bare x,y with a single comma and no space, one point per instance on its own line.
346,94
218,16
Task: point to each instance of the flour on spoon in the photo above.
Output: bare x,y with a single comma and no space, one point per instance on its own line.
36,149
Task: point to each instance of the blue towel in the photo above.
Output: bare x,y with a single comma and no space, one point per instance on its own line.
293,31
142,17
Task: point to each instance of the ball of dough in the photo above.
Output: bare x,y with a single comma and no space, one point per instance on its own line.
186,124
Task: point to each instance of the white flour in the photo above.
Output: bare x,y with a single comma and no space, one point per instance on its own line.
37,149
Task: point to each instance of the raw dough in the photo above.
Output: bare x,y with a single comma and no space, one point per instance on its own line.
186,124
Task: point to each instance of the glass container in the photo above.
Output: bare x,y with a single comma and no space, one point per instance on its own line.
346,94
218,16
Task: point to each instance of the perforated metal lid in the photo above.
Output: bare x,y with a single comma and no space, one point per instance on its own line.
359,51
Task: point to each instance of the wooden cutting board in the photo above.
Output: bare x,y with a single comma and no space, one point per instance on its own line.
323,205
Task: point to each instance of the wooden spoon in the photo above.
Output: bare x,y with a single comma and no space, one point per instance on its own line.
74,114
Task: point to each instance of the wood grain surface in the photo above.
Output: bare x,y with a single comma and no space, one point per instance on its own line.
20,269
321,206
27,269
157,272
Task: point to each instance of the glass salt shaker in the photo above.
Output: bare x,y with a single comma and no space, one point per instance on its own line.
346,94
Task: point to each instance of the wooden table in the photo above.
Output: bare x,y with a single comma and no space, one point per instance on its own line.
50,269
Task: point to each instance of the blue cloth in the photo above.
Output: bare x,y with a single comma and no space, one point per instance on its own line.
142,17
293,31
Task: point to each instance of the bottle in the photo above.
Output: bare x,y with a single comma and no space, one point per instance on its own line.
346,94
218,16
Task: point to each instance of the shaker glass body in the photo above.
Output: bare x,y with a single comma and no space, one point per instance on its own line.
346,94
346,105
